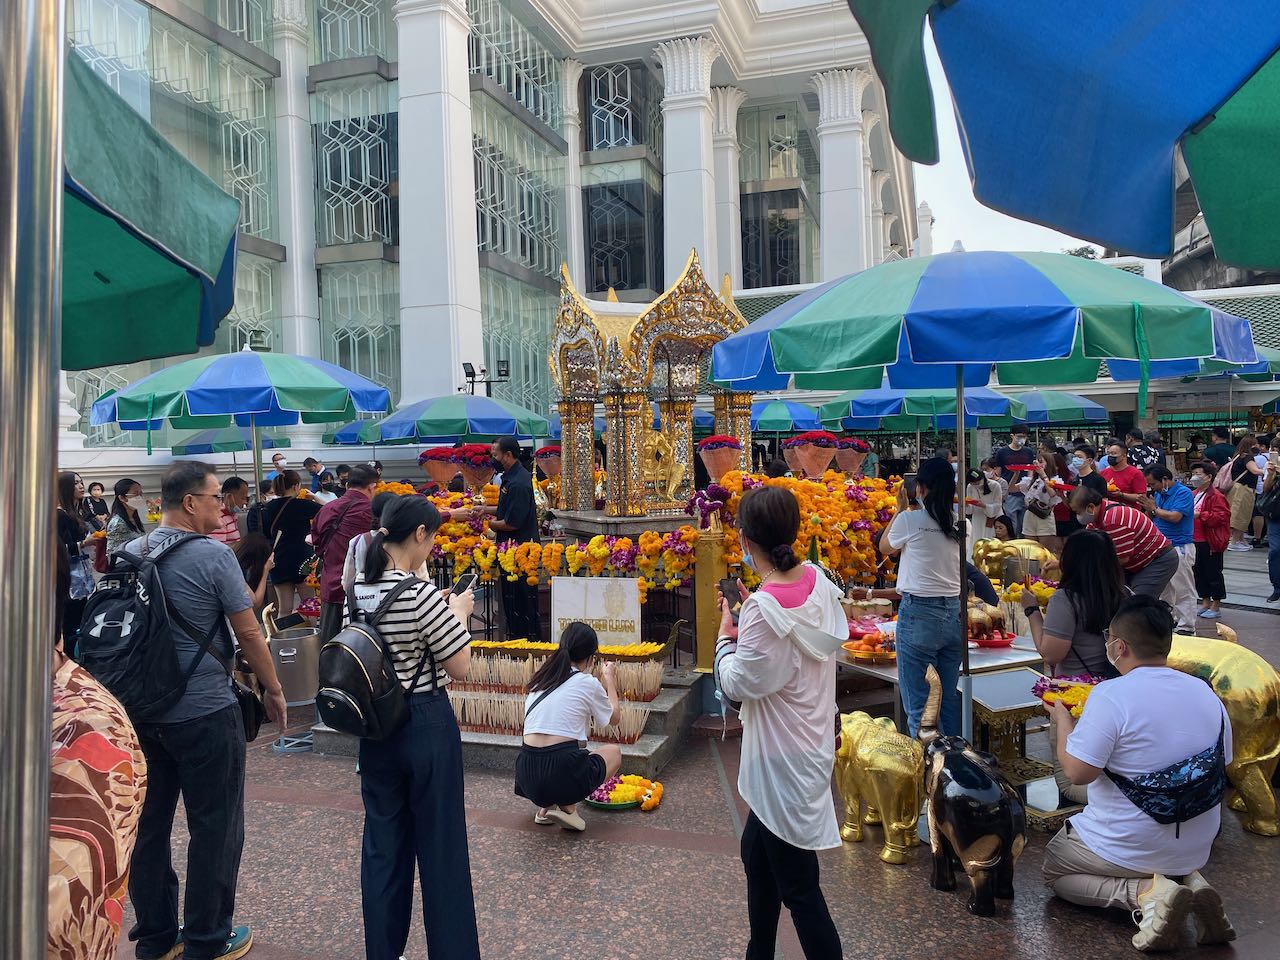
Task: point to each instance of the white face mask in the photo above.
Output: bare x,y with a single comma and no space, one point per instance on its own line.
1107,652
1016,442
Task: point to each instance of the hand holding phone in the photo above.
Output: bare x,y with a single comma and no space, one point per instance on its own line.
465,582
732,595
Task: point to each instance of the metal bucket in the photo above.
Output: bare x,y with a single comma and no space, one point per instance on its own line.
1016,569
296,653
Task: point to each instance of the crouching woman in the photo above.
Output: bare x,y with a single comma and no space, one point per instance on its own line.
553,770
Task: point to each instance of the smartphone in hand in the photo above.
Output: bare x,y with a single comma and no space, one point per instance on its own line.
732,595
465,582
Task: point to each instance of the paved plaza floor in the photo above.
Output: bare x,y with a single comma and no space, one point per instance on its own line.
669,884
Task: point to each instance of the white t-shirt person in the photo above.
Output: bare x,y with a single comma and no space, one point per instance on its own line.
1140,723
567,711
928,566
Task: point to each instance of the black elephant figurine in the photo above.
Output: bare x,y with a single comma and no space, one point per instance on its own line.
975,817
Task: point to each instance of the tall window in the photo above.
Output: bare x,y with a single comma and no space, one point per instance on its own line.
624,108
355,129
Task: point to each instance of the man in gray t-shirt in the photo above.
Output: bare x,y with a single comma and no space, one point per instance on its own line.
196,750
202,580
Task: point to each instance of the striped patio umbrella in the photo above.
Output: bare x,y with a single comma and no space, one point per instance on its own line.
447,418
1055,406
783,416
225,440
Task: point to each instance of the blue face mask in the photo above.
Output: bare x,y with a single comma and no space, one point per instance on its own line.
746,559
1077,463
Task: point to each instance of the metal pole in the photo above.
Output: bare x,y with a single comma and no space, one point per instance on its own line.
918,452
31,51
966,680
257,457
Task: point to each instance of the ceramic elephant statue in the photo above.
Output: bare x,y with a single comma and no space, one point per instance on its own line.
882,768
1250,690
975,816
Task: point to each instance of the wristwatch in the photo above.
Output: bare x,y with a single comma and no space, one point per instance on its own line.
1028,611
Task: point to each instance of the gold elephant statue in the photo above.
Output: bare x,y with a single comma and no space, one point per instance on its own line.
1249,688
878,766
989,556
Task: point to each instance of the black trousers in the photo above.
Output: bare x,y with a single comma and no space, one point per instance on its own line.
520,603
777,874
1210,583
413,811
203,761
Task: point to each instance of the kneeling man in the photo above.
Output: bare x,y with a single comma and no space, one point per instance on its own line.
1152,745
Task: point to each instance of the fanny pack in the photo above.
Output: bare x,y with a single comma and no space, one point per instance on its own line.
1181,791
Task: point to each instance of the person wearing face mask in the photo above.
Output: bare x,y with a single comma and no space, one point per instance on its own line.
328,491
1170,506
1084,464
1148,559
125,524
515,518
1210,532
1130,485
984,501
1016,454
778,661
1150,720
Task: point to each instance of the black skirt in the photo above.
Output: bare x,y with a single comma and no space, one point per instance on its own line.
558,775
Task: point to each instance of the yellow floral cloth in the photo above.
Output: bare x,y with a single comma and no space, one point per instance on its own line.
97,782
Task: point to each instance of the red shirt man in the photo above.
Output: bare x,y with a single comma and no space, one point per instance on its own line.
1129,481
235,494
335,526
1136,539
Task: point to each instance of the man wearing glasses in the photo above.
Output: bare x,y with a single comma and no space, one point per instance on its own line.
196,749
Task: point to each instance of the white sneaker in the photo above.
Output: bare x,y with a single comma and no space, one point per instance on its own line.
567,821
1238,546
1212,925
1160,915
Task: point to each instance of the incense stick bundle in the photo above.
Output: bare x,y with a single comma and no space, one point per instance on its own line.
484,711
637,680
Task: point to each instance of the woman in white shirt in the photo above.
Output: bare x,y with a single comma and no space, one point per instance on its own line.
783,672
552,769
928,632
984,504
1034,485
411,781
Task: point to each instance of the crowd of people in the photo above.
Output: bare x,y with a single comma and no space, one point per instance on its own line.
1129,533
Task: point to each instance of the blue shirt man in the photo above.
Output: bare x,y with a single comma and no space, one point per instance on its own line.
1172,497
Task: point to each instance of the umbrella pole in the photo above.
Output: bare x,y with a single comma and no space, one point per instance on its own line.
917,450
257,455
966,680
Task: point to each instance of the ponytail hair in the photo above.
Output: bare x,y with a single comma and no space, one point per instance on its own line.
285,480
400,520
577,643
939,481
770,517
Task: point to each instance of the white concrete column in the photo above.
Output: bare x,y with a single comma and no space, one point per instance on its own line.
574,227
889,220
69,438
439,263
841,149
725,102
924,230
878,179
296,183
688,181
870,119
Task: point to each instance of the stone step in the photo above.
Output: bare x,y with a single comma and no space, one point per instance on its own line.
671,717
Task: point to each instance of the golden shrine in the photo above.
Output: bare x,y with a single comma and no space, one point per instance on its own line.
607,352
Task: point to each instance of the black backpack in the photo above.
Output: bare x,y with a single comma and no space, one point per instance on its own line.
126,636
360,693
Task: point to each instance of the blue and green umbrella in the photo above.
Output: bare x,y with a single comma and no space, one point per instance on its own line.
448,418
1079,116
1034,318
225,440
886,402
783,416
1056,406
554,428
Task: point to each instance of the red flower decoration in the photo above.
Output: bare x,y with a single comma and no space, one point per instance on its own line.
549,451
819,438
720,442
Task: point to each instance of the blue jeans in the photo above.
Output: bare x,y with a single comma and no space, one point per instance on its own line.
1273,553
929,633
413,815
1015,508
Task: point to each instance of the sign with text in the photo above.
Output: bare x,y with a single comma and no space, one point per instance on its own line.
611,605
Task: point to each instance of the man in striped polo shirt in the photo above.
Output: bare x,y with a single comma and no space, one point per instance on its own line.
1147,557
235,494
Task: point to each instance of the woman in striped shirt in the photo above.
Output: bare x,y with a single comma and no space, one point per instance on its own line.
411,782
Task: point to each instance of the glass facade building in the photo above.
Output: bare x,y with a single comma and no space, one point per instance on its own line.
210,76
